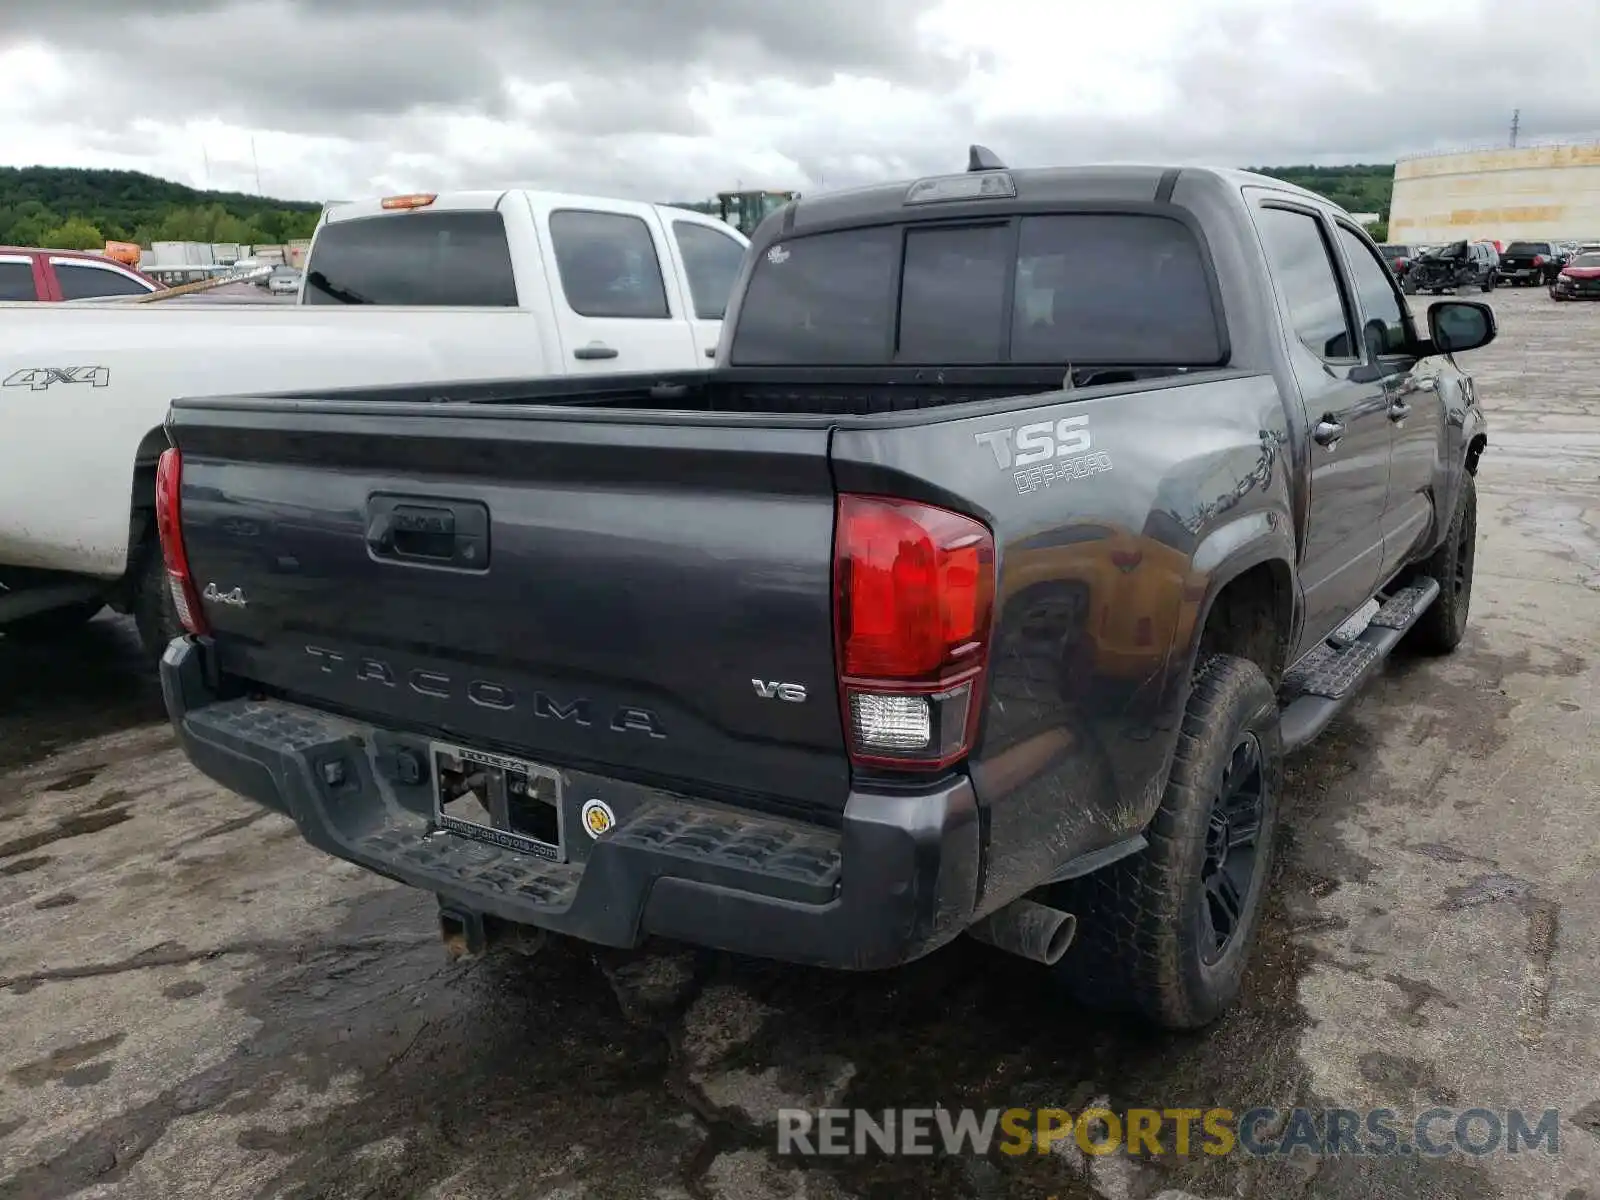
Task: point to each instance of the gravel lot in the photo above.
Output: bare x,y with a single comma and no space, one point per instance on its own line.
194,1004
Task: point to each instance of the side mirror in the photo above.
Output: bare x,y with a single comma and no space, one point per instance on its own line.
1457,325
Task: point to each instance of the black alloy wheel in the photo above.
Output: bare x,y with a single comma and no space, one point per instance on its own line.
1232,837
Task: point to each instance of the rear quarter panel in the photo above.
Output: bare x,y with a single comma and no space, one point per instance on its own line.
1109,552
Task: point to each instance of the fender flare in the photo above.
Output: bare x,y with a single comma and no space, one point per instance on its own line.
1227,552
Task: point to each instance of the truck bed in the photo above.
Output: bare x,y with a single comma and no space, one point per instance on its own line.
653,562
782,393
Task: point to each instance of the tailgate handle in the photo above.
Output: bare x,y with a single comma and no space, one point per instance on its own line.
438,533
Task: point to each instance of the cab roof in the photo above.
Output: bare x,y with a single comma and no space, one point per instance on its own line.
1113,183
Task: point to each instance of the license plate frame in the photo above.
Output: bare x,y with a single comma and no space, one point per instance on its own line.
491,818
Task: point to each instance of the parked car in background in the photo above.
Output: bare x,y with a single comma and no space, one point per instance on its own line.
1398,257
31,274
283,281
1457,265
481,285
1529,264
1579,279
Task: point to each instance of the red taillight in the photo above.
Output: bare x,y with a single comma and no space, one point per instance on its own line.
1538,260
913,593
169,525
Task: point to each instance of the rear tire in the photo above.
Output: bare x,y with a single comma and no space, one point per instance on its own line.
1149,926
53,624
153,611
1441,628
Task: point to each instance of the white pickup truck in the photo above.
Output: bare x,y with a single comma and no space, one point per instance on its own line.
407,289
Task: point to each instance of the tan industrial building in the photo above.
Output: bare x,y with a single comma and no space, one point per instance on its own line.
1509,194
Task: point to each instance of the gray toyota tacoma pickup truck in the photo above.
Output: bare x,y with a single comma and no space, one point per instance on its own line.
980,587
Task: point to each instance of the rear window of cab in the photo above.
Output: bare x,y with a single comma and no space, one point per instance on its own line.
1079,288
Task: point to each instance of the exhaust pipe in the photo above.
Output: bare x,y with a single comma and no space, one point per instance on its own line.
1033,931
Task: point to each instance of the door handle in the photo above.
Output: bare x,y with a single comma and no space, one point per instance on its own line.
711,351
1399,411
424,531
1328,432
594,350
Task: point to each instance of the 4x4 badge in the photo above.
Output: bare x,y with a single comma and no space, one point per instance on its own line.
234,598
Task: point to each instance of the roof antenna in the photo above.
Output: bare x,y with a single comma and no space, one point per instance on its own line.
981,158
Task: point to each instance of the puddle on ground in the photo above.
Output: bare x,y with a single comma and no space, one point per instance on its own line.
70,1064
67,827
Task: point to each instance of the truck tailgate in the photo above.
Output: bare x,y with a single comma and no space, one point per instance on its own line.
601,594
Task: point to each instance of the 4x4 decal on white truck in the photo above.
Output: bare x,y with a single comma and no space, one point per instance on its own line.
39,378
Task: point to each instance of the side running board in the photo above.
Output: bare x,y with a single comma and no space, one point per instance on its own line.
1325,680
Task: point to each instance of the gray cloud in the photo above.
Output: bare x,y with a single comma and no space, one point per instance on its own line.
1264,84
1320,85
645,103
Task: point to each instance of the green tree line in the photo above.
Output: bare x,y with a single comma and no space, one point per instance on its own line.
1357,188
1360,187
73,209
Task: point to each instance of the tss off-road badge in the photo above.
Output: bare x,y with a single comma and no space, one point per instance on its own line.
1048,452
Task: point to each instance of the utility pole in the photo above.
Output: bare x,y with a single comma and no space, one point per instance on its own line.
205,158
1516,124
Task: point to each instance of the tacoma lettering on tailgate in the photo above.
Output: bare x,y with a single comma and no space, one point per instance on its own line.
624,718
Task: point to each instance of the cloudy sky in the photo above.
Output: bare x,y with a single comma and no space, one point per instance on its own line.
677,99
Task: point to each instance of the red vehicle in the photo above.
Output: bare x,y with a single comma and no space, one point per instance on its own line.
1398,257
1579,279
34,274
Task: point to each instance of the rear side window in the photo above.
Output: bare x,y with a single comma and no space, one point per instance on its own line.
822,299
608,265
712,261
1302,264
16,281
412,259
1066,288
85,283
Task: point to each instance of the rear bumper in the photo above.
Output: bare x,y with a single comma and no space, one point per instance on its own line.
897,879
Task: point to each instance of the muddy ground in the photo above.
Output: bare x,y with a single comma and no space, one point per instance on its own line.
193,1004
